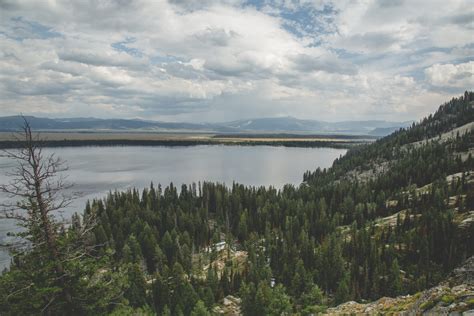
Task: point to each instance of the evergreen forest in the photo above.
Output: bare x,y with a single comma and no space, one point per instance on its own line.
388,218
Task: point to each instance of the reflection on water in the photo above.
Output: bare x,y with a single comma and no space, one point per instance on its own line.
97,170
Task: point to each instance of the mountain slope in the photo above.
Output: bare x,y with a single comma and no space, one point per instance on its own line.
391,218
454,295
260,125
12,123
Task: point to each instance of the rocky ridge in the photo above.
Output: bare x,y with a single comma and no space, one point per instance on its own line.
454,296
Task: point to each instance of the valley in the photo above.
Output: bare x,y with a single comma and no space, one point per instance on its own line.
236,158
379,231
74,139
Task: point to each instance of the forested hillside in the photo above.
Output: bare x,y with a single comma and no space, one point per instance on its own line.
389,218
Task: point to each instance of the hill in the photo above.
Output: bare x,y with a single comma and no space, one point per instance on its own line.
453,295
383,131
291,124
13,123
260,125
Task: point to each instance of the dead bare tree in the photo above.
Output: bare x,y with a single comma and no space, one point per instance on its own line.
37,191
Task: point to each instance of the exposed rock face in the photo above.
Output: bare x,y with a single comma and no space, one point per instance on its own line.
230,306
455,296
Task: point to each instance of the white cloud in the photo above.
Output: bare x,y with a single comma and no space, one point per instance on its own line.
449,75
226,60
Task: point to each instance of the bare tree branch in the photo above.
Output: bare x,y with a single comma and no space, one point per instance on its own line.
36,187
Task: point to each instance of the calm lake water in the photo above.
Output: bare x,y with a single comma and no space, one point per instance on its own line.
97,170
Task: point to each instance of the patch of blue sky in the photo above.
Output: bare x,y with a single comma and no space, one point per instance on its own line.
344,54
164,59
309,21
122,47
259,4
22,29
302,20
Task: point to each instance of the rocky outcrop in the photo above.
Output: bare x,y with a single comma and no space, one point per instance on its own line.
454,296
230,306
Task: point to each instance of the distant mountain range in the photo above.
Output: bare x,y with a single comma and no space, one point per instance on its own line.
260,125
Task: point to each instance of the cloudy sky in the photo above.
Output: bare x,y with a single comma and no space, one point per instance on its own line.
208,60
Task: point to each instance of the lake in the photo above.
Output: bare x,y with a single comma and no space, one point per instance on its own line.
97,170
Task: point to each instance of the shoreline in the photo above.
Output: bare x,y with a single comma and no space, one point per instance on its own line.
183,143
76,139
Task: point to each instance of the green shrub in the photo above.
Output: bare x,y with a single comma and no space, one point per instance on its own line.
447,299
429,304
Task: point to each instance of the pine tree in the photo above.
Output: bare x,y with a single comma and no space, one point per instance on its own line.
50,276
343,291
200,310
136,290
395,280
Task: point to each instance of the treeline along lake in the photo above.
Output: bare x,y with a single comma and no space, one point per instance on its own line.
96,170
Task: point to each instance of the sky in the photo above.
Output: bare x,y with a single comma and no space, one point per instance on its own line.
208,60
